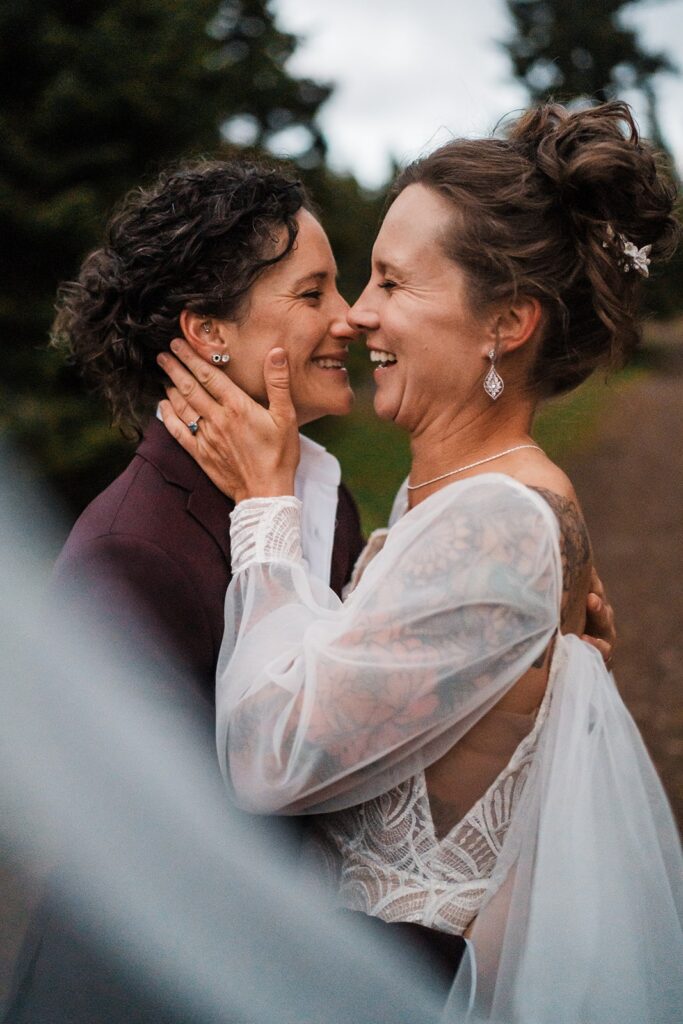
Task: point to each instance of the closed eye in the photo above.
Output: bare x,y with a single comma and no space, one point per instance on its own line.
388,285
315,294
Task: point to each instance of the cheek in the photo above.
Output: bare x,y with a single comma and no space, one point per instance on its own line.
303,334
246,367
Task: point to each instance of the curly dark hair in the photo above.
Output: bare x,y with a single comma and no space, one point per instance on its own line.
196,239
539,212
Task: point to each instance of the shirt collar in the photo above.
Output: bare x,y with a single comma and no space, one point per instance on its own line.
316,463
317,486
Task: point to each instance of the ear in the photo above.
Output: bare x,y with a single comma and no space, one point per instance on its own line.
517,323
206,335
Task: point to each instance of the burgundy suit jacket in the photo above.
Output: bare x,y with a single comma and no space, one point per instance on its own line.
154,550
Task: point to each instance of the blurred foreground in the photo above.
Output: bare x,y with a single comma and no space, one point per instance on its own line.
109,772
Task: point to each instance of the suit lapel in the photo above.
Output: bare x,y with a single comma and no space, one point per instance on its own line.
205,503
211,509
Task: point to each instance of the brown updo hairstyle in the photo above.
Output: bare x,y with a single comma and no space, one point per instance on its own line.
538,212
196,239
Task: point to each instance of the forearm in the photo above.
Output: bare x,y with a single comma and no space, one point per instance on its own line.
321,703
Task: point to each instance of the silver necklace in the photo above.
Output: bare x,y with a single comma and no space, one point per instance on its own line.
471,465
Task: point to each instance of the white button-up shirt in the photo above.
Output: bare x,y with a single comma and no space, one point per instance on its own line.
316,485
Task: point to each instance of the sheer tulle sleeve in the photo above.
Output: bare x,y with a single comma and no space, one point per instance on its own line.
321,705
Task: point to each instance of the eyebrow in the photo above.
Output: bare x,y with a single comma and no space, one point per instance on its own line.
385,267
315,275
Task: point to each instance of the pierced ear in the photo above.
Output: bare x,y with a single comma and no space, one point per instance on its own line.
518,323
207,337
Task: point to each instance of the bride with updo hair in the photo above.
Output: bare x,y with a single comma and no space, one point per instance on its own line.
467,754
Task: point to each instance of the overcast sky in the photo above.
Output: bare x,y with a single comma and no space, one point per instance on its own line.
409,72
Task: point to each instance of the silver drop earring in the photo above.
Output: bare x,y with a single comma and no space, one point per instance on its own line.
493,382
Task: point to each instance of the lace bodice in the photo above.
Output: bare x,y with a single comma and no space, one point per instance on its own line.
385,859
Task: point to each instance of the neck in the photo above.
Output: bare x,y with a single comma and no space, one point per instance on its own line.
441,447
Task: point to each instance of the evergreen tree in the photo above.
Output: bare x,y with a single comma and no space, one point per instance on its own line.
581,51
97,95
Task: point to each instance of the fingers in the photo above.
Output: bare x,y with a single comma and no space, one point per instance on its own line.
596,584
210,377
276,376
182,409
604,648
191,389
601,619
177,428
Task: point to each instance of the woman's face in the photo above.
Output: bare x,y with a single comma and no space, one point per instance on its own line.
295,305
417,318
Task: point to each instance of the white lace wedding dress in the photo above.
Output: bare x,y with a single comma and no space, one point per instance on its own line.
385,858
569,861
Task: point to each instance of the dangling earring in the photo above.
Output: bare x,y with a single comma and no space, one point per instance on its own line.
493,382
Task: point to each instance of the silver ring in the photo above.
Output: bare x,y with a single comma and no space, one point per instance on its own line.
194,426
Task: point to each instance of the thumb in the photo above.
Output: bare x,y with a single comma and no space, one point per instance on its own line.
276,375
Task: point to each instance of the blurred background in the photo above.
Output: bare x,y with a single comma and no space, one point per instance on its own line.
98,95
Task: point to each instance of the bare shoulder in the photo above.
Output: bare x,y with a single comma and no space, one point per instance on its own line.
555,487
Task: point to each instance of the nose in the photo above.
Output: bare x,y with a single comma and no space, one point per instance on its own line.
341,327
362,316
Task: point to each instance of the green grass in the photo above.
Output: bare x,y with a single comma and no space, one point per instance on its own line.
570,425
375,457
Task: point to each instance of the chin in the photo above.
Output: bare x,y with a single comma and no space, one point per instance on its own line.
340,407
384,410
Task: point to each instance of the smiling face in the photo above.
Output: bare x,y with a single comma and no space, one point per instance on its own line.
429,345
295,305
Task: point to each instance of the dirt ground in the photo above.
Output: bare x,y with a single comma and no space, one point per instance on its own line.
631,487
630,483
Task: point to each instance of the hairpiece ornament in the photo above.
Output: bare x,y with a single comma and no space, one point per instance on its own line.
631,257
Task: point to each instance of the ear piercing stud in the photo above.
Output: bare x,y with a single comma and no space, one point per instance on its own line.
218,358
